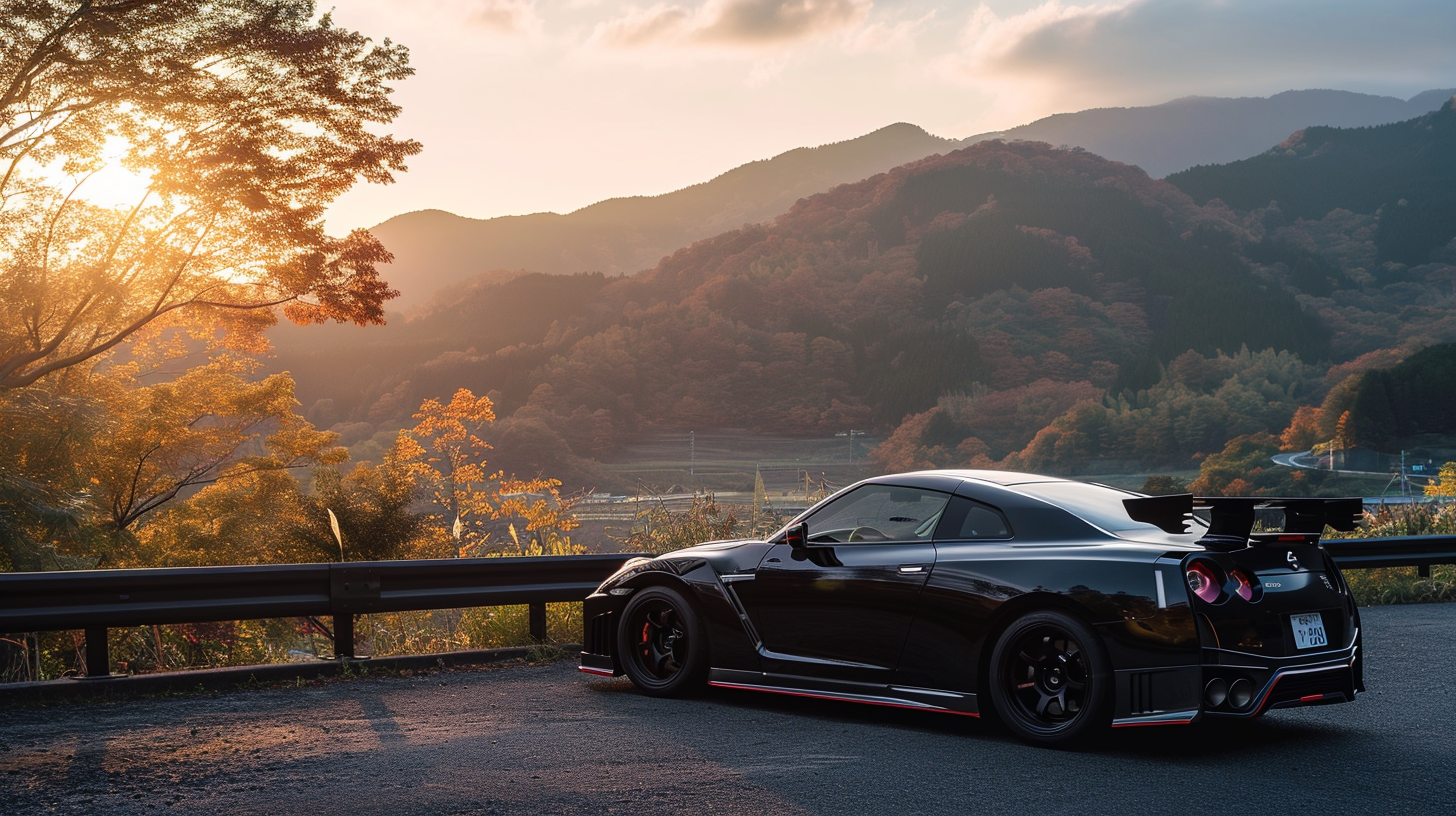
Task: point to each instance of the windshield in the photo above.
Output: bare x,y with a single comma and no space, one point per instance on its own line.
1102,506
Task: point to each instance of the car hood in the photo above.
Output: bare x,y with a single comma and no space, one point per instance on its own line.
725,556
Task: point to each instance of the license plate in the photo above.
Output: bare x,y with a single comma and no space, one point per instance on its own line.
1309,630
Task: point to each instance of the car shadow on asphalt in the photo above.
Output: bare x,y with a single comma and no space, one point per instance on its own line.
1196,742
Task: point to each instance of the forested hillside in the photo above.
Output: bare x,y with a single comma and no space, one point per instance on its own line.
1403,172
1396,406
1003,275
435,248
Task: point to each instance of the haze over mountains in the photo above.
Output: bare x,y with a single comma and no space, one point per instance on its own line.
1194,130
1402,171
434,249
1009,304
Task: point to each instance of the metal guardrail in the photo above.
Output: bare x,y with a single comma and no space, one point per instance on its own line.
1394,551
96,600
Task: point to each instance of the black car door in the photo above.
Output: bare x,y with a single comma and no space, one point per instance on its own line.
841,607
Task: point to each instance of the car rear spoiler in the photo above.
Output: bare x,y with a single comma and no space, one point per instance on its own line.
1231,519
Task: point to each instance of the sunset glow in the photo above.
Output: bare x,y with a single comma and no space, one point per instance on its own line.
112,185
539,105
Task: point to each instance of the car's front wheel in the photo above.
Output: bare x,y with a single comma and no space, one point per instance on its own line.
1051,680
661,641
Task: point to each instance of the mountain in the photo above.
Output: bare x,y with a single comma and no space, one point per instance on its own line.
433,248
1194,130
1052,275
1404,172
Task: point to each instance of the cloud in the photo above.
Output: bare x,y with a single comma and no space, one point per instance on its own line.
732,23
643,27
511,17
883,36
1208,45
752,22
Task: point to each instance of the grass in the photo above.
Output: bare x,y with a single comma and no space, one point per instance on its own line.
1403,585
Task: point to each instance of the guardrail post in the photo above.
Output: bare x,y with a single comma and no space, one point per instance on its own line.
98,656
538,622
344,636
1424,570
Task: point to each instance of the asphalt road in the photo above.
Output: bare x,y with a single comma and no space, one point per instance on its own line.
547,740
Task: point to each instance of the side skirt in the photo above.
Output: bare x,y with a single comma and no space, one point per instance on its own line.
915,699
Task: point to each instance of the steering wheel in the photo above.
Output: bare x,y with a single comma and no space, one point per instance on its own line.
866,534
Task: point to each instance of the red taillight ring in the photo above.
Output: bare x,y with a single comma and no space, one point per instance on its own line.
1243,586
1203,583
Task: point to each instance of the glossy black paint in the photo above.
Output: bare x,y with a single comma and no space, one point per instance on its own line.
913,623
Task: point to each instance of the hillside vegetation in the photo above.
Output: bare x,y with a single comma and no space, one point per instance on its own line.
1025,279
1401,171
434,248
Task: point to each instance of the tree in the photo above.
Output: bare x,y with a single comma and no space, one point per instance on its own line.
1445,484
40,500
245,117
480,508
372,505
1303,432
206,425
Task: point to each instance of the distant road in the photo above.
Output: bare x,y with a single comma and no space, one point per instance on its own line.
547,740
1304,459
1308,461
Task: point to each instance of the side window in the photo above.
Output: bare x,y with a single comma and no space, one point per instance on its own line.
965,520
879,513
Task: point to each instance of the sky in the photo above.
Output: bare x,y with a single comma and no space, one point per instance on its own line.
550,105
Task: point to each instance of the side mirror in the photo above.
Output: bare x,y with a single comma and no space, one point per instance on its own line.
797,537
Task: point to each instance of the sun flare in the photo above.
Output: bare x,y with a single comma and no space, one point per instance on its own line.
113,185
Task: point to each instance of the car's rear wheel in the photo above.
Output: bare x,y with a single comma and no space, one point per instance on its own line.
661,642
1051,680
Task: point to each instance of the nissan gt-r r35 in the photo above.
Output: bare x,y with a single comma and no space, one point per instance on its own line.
1062,607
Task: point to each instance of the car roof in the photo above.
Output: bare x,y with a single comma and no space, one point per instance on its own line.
1005,478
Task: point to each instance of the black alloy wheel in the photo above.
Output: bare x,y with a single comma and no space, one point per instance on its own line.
1050,679
661,643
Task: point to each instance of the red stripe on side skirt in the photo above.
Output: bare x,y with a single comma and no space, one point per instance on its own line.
812,695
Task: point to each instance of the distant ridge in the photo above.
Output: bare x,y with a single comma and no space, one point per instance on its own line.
434,248
1401,171
1164,139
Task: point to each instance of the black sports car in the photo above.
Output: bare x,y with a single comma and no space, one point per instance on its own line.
1061,606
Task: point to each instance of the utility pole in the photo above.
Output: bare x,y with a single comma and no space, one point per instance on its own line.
851,435
692,453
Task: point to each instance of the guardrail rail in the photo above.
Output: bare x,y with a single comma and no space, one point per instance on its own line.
97,600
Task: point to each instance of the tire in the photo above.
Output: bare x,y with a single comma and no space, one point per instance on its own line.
661,643
1051,680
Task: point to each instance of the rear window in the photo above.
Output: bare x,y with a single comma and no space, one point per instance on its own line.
1102,506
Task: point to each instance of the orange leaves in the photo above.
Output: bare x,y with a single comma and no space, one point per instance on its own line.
245,119
479,507
207,425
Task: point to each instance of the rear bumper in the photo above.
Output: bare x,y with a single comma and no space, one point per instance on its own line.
1318,679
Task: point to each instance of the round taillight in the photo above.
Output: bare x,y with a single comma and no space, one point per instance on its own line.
1202,582
1243,587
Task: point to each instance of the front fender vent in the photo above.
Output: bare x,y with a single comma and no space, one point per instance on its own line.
600,635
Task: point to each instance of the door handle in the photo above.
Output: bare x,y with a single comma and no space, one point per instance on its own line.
910,569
